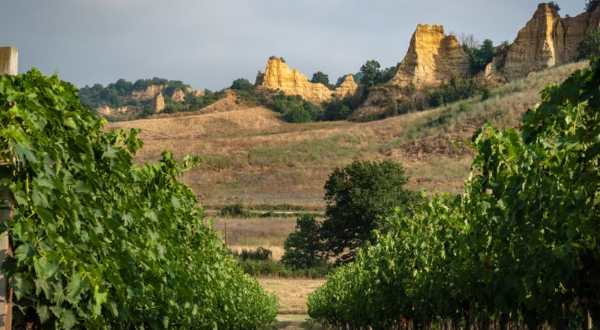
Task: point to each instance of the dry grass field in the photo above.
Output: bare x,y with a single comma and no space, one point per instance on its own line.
292,293
252,157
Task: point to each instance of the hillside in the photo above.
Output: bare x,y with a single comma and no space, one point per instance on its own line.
251,156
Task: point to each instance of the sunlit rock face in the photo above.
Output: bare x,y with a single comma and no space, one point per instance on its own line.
547,40
279,76
432,58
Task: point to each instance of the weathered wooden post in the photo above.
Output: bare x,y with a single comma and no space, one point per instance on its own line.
8,60
8,65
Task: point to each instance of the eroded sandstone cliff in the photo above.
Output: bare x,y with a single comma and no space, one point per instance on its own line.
178,96
279,76
547,40
432,58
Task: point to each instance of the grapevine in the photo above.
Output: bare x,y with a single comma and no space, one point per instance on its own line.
99,242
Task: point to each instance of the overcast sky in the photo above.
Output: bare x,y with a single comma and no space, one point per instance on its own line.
208,44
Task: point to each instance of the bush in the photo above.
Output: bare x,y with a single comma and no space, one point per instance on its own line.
294,108
236,210
457,89
258,254
297,114
486,93
277,269
303,248
339,109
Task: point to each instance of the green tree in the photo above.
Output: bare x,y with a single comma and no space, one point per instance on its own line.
242,84
480,57
589,45
387,74
320,77
303,248
370,73
357,196
591,5
554,6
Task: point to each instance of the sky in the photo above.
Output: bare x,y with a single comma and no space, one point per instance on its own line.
208,44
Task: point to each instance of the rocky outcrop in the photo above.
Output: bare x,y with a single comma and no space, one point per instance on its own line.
279,76
158,103
148,93
547,40
178,96
432,58
195,92
347,87
108,111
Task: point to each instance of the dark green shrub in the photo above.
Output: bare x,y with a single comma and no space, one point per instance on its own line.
339,109
457,89
272,268
258,254
235,210
486,93
297,114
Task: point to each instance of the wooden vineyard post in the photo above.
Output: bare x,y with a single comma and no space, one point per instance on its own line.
8,65
8,60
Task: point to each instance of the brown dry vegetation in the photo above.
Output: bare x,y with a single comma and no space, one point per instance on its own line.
255,231
292,293
250,156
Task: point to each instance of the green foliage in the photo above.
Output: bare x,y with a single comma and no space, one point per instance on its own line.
520,245
482,56
486,93
591,5
297,114
554,6
272,268
320,77
371,75
242,84
589,46
294,108
235,210
99,242
303,248
258,254
339,109
193,102
116,95
357,196
112,95
455,90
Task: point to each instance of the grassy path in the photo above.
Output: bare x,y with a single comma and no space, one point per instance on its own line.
292,295
295,322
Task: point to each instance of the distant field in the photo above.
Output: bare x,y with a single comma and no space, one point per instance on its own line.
252,157
252,233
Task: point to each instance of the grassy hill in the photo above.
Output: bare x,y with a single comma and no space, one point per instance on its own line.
252,157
